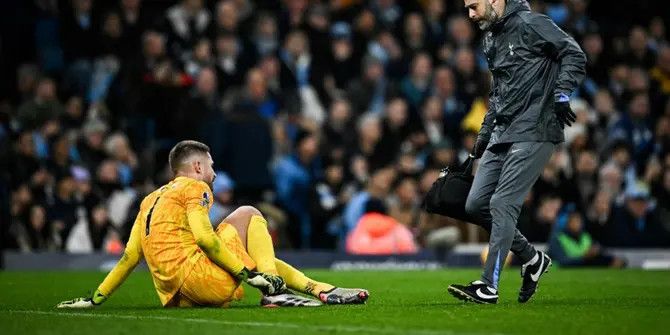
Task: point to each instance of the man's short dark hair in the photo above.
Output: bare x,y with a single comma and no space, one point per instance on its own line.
182,151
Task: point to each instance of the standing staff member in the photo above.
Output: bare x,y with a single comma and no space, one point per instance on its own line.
535,67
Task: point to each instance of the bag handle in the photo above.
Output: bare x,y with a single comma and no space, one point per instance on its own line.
466,167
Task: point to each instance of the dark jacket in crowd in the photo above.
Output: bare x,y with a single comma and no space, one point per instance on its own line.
248,151
628,231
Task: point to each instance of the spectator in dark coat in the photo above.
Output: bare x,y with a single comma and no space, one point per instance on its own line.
634,127
470,81
326,202
585,178
80,36
233,60
339,131
201,106
99,226
639,53
249,146
37,233
302,75
396,128
415,39
368,93
25,162
596,66
345,60
636,223
444,88
62,208
135,19
79,31
59,162
90,145
293,176
368,144
44,106
661,191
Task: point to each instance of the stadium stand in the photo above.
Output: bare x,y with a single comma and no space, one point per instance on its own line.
312,109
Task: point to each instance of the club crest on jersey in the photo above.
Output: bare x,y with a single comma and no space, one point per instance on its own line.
205,200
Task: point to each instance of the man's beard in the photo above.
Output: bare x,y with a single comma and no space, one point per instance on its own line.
490,17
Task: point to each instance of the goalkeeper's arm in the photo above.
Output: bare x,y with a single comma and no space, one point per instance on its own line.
210,243
131,257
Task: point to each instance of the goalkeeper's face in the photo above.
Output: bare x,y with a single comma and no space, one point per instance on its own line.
207,171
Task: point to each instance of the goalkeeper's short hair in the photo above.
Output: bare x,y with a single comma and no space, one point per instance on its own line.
183,151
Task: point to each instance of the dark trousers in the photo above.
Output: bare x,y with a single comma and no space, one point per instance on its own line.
505,175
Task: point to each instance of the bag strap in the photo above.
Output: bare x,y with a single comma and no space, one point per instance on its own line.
466,167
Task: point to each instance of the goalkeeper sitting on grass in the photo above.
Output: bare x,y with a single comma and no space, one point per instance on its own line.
191,264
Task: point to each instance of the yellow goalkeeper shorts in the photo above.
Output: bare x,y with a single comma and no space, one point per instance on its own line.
210,285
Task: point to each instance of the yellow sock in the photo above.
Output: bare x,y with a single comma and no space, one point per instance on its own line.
259,245
297,280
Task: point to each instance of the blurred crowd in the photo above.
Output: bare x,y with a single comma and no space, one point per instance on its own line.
332,117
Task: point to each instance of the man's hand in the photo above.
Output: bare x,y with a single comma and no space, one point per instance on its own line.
563,111
82,303
268,284
480,147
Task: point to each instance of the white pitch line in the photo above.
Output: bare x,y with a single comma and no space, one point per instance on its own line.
250,324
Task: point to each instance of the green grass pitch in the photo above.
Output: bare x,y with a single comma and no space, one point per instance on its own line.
416,302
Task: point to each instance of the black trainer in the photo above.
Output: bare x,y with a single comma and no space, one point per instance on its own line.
531,274
477,292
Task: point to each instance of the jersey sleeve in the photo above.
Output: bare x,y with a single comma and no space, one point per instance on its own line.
198,199
131,257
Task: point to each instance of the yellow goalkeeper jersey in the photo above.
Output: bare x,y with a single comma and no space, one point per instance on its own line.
168,244
162,234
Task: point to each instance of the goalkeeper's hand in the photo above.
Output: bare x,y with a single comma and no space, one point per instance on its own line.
268,284
81,303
